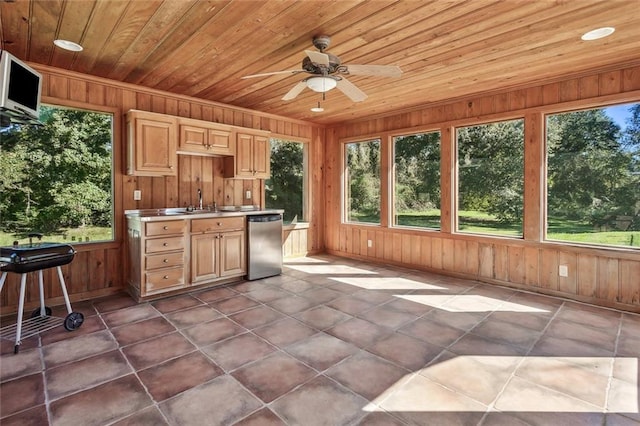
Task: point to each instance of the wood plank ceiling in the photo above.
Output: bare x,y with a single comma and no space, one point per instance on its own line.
447,49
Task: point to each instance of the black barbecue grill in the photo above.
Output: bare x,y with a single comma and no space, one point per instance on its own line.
35,257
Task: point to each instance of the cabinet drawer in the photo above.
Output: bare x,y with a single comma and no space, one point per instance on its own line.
163,279
157,245
218,224
167,227
167,260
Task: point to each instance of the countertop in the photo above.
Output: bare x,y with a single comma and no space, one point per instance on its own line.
149,215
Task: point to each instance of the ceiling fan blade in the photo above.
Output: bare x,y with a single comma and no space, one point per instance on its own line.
349,89
273,73
295,91
318,58
375,70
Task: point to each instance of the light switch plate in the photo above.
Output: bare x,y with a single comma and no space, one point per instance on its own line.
248,195
137,195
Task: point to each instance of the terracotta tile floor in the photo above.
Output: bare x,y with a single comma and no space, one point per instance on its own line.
331,342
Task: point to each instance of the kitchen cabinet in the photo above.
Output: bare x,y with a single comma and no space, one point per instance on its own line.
199,137
252,159
217,249
157,253
151,144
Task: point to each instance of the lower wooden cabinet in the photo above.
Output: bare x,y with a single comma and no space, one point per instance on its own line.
217,249
173,255
157,253
217,255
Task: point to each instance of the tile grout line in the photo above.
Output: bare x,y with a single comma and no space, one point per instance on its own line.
612,365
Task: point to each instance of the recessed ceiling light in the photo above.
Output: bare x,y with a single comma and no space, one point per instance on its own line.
68,45
598,33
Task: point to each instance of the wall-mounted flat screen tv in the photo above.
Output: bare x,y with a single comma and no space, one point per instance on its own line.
20,86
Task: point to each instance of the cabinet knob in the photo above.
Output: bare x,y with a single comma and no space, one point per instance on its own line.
165,244
221,236
165,261
166,277
219,223
171,167
165,227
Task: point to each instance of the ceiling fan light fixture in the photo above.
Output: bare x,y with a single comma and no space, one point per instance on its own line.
317,109
321,84
597,33
68,45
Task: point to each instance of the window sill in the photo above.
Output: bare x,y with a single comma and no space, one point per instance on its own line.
298,225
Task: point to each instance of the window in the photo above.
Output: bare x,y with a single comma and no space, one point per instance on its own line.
417,180
285,189
362,181
491,178
593,176
57,178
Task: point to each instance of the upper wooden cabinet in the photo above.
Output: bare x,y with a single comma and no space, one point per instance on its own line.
199,137
151,144
252,159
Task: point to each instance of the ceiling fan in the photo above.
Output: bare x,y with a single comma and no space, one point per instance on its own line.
327,72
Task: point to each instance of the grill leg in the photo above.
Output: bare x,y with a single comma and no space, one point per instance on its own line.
43,311
23,285
64,290
2,278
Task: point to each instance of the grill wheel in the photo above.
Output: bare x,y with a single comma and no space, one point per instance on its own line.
73,321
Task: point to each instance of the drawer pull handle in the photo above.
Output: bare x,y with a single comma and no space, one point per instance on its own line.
166,277
166,261
165,227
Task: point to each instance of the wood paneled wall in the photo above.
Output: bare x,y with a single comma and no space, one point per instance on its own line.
608,277
97,269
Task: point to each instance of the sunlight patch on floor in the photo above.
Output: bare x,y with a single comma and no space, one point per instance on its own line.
387,283
330,269
469,303
540,384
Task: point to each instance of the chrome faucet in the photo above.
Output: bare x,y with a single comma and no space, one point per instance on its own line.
199,199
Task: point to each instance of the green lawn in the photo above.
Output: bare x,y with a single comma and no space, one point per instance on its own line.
71,236
484,223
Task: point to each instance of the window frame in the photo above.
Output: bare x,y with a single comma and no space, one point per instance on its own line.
392,188
565,108
344,175
306,180
117,166
455,181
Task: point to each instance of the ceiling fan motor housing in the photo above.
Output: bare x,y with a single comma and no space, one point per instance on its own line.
310,67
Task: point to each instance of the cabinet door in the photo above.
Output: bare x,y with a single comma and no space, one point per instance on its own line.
261,157
232,253
244,160
220,142
152,144
204,257
193,138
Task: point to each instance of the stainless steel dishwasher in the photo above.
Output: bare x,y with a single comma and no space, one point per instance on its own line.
264,253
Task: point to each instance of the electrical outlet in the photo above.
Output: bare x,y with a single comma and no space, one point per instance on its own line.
137,195
247,195
563,271
369,243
